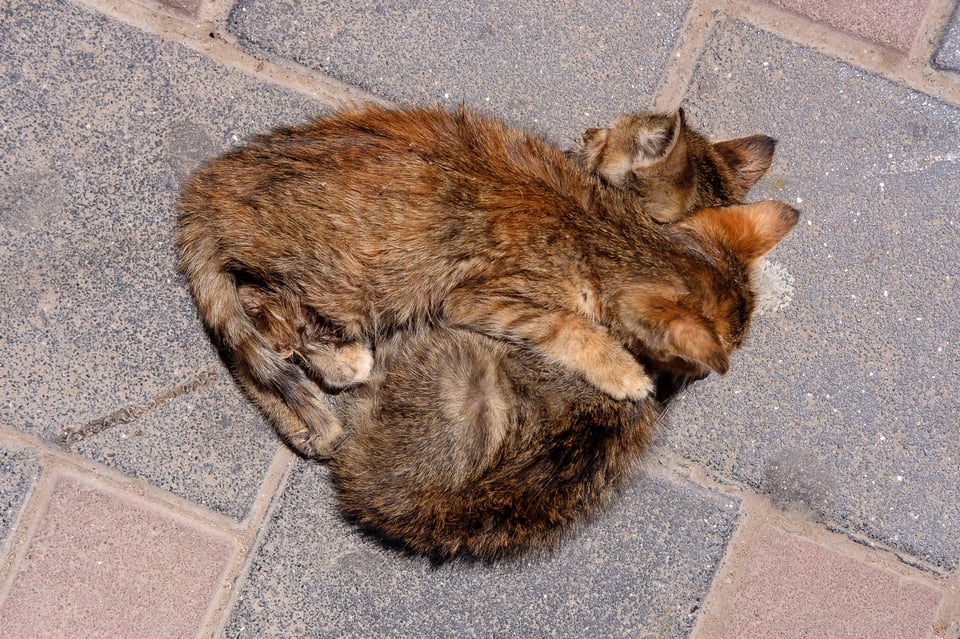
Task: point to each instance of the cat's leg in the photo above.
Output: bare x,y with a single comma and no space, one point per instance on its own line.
291,329
292,402
562,336
302,436
287,396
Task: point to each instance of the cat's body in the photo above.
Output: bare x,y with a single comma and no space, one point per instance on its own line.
307,246
466,445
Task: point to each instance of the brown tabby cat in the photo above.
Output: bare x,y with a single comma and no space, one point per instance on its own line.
318,241
467,445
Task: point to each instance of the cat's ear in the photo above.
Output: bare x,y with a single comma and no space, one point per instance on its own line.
750,230
749,157
670,329
632,143
656,140
589,147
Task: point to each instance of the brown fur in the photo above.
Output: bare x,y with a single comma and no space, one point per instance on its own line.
671,169
308,245
466,445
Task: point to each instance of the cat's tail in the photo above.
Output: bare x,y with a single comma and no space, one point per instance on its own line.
292,401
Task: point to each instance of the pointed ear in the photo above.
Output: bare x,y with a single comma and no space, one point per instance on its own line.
670,329
656,140
749,157
588,148
749,230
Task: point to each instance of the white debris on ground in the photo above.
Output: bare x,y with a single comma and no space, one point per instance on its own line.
774,286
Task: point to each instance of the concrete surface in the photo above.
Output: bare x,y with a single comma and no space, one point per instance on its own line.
894,23
815,488
948,53
101,565
639,567
562,69
843,402
793,587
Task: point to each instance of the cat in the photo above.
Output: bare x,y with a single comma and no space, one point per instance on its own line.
307,246
464,445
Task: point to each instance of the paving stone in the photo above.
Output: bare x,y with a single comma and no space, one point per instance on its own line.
101,564
948,53
793,587
209,446
844,403
19,471
641,570
893,23
100,123
190,7
562,69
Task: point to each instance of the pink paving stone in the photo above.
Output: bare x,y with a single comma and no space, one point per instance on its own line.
893,23
793,587
102,565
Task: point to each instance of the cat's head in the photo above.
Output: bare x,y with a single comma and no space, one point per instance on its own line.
696,311
672,168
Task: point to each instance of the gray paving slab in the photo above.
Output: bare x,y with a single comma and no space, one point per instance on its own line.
100,122
209,446
641,570
562,68
845,403
19,470
947,55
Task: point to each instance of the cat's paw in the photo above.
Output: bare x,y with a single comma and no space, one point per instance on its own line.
314,445
626,383
341,366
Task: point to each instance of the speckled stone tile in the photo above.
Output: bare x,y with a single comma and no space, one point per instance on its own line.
641,570
215,455
100,123
561,69
101,564
844,403
792,587
893,23
19,470
947,55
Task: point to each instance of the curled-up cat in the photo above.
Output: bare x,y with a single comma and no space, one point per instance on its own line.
463,445
308,245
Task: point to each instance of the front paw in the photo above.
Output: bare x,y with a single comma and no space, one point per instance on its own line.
624,383
316,446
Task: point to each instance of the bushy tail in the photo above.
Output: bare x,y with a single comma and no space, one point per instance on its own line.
292,401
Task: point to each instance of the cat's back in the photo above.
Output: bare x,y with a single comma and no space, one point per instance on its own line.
392,176
383,145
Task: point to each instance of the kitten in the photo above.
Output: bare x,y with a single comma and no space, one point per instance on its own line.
670,169
466,445
308,245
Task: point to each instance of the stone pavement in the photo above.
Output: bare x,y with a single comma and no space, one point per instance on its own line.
814,491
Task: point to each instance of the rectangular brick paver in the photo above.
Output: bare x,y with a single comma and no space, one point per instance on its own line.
892,23
793,587
101,564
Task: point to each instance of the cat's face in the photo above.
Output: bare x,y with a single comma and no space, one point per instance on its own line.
671,167
697,312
